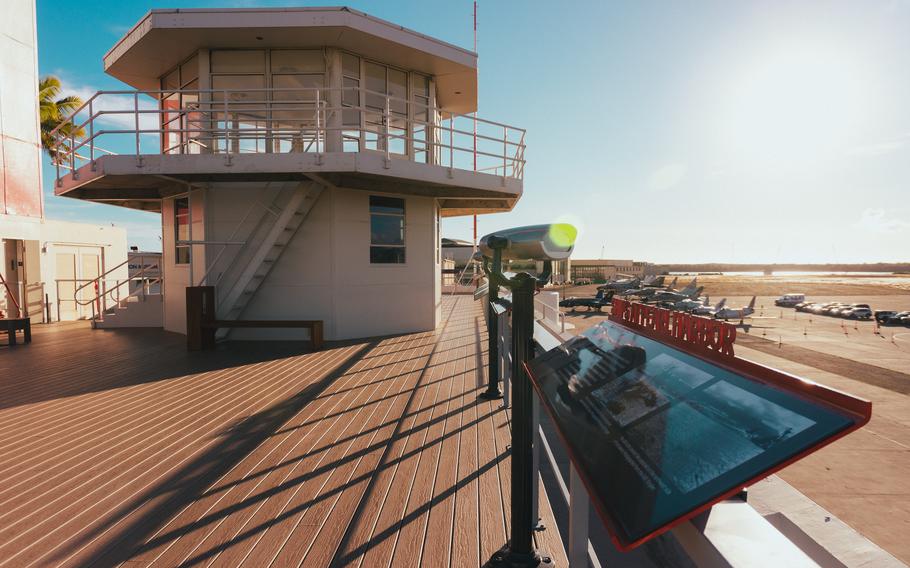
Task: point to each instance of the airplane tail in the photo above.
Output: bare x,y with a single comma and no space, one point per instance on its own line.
720,305
694,294
690,286
705,303
752,303
673,284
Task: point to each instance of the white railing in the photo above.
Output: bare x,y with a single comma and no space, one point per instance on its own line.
102,293
217,121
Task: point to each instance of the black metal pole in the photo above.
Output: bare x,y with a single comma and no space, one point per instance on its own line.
493,391
521,551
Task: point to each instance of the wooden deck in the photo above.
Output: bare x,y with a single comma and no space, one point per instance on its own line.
119,447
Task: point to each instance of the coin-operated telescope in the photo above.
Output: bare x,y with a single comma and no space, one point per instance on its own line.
536,242
547,242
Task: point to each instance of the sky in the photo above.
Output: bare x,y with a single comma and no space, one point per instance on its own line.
703,131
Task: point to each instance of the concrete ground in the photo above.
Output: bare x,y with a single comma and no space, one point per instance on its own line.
862,479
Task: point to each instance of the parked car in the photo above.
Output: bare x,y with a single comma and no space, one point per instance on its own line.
819,309
789,300
833,309
805,306
882,315
897,319
845,310
858,313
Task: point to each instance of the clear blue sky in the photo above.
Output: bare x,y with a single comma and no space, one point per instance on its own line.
667,131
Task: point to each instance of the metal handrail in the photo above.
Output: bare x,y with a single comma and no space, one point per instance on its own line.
108,292
100,277
214,115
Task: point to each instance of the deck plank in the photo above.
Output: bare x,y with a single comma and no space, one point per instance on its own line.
119,447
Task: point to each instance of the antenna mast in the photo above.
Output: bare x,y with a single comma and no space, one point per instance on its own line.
475,125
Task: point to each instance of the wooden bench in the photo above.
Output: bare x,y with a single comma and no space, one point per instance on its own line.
12,325
201,324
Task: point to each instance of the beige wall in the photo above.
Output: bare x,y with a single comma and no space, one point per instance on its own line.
324,273
20,157
47,239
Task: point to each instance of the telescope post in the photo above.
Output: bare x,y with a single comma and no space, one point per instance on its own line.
520,551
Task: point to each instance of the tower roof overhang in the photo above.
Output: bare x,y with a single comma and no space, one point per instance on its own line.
164,38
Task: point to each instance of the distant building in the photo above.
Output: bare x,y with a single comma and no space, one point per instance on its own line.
40,259
457,250
607,269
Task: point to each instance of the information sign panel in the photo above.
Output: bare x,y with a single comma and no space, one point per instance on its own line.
659,434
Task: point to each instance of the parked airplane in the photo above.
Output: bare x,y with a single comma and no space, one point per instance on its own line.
687,305
707,310
730,313
656,282
596,303
623,284
671,296
633,283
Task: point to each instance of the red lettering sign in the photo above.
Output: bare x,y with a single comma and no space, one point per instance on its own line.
700,332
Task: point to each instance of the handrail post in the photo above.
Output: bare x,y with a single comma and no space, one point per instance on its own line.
73,151
318,122
493,391
91,131
385,130
521,550
136,119
578,520
227,141
535,463
505,151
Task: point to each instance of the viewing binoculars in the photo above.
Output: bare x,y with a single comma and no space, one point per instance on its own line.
552,241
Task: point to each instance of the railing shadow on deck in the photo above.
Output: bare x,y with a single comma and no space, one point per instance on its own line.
79,361
187,484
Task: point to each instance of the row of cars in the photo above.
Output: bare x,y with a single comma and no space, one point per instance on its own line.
843,310
836,309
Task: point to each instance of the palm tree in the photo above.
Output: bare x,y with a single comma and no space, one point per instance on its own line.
54,112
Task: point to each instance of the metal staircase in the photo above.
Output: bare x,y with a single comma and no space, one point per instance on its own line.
263,253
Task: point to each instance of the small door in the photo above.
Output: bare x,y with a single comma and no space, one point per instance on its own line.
66,286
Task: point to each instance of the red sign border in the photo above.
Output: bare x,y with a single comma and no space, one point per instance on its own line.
860,409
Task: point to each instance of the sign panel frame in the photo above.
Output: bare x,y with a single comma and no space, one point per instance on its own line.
857,410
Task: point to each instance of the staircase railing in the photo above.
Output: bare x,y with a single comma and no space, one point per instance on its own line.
104,293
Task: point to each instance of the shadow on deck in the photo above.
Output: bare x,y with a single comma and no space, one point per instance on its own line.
121,447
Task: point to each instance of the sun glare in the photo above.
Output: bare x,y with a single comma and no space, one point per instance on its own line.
796,105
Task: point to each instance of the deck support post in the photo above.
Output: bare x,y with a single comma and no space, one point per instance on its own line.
493,391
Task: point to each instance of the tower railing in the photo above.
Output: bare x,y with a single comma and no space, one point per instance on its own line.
278,121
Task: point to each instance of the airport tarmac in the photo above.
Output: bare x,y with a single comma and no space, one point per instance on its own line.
861,479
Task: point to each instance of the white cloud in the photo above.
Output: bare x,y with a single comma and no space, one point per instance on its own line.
108,104
877,221
881,148
668,176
